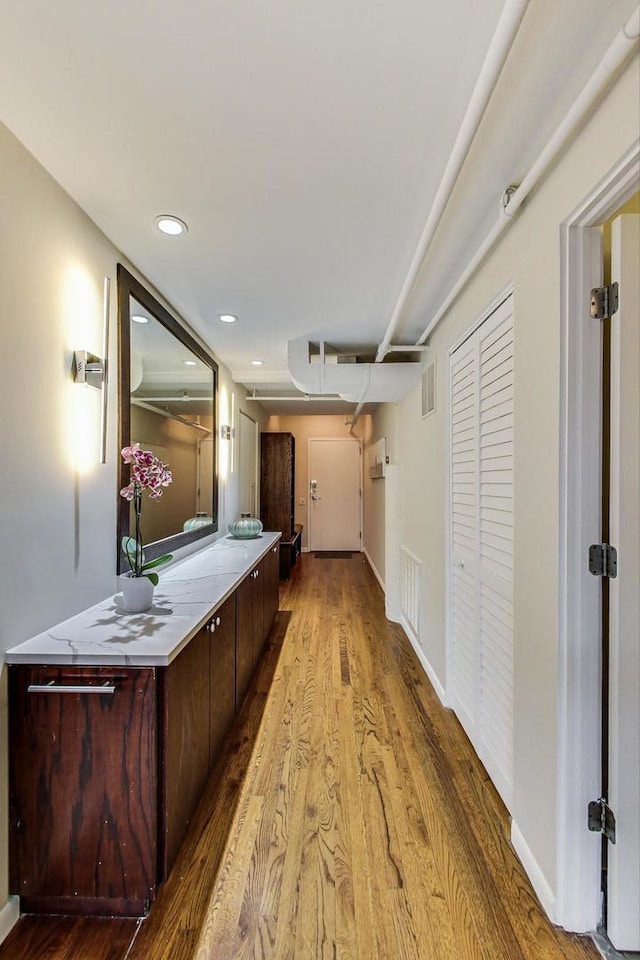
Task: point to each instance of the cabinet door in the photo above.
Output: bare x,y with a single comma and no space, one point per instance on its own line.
83,784
244,636
258,613
223,677
270,588
185,753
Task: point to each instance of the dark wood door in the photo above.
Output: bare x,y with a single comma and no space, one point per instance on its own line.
277,482
223,677
185,738
83,786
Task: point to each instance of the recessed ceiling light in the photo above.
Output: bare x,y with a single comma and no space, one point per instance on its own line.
189,363
227,317
140,319
257,363
171,225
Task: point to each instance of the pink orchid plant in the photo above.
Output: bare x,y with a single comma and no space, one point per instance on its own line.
149,473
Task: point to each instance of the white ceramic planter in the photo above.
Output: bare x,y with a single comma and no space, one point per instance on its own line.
137,593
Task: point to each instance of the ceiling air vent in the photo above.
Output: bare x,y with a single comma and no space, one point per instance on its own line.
429,389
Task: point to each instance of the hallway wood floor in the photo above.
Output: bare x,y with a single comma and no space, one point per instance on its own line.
365,828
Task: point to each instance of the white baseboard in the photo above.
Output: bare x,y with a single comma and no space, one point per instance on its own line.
545,894
375,572
426,666
389,608
9,916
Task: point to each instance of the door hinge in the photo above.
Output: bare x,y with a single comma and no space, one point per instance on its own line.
604,301
603,560
600,819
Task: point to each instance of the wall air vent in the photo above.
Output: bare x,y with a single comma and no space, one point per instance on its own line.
429,389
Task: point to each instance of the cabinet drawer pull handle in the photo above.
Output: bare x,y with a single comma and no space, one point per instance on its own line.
52,687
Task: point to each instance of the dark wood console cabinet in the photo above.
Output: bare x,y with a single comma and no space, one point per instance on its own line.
108,764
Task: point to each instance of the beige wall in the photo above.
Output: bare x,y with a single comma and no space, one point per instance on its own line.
381,424
59,506
631,206
528,257
305,429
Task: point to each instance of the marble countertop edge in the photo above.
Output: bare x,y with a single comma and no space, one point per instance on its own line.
106,635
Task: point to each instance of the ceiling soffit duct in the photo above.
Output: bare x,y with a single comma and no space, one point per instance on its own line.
353,382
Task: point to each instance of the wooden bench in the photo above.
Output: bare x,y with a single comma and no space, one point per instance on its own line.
289,551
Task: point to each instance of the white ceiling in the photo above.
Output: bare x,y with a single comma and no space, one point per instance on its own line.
302,143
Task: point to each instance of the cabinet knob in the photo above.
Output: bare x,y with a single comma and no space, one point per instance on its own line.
217,621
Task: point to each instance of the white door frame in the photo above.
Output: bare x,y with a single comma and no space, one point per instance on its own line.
255,442
578,905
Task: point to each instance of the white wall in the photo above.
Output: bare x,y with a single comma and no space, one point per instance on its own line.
382,424
529,257
231,400
58,515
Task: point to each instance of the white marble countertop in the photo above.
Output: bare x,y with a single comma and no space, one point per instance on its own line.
186,596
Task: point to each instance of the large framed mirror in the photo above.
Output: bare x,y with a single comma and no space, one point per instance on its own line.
167,403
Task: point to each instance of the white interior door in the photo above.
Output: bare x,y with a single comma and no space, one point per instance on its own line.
335,502
248,464
481,541
623,919
204,502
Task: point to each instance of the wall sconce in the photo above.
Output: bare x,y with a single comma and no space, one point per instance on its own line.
225,432
92,370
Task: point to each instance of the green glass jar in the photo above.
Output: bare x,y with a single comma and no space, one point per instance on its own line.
245,527
201,519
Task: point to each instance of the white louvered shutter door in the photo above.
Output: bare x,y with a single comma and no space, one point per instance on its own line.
496,545
464,536
481,614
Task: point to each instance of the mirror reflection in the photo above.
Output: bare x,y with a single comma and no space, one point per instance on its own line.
172,414
167,405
